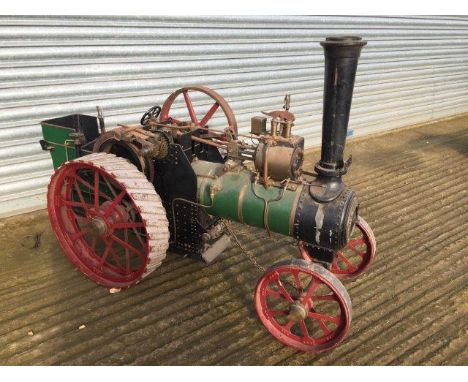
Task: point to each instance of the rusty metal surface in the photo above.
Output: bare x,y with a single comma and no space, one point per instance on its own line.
409,308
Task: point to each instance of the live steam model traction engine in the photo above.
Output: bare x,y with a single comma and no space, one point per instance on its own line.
119,199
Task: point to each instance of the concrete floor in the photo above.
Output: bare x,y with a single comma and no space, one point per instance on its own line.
409,308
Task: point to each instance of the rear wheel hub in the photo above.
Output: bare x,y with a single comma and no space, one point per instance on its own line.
98,226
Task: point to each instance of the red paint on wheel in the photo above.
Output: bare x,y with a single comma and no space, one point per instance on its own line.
355,258
219,102
303,305
99,224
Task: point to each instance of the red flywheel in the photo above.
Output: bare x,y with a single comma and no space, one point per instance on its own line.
303,305
356,257
217,102
108,219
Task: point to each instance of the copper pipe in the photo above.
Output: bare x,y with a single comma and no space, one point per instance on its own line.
220,132
209,143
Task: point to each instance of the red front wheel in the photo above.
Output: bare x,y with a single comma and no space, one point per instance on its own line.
355,258
303,305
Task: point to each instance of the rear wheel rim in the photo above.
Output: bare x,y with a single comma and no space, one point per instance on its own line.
303,305
98,224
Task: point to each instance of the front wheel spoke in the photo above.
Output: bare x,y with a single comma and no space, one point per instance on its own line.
304,330
128,246
325,297
284,292
298,281
346,261
356,251
334,265
280,312
273,293
310,292
288,325
357,241
324,317
325,329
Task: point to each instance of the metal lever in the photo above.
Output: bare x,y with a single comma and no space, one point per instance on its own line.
100,119
287,102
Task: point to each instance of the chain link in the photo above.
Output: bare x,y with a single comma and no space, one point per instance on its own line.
246,252
251,257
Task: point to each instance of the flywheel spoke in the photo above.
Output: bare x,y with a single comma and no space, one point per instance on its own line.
190,108
217,102
209,114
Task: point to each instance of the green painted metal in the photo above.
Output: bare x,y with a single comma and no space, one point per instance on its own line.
59,139
236,196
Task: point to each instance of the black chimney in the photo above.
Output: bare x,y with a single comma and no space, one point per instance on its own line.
341,59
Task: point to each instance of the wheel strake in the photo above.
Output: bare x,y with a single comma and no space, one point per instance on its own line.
108,219
312,316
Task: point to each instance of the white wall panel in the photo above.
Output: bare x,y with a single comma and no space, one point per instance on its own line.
414,69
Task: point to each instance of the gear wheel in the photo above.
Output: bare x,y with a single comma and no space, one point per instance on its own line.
108,219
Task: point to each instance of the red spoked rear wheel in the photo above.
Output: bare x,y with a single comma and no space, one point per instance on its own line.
303,305
217,103
355,258
108,219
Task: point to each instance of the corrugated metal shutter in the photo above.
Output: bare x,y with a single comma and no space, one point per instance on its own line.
414,69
